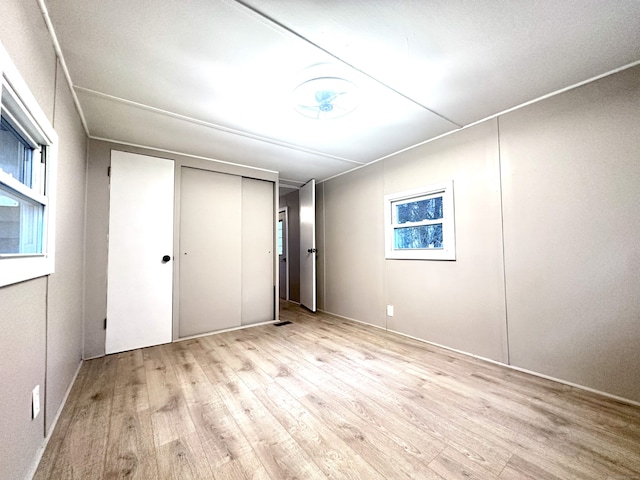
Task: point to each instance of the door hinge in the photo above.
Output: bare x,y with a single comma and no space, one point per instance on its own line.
105,323
108,171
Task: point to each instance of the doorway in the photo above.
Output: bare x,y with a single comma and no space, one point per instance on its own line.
283,252
308,294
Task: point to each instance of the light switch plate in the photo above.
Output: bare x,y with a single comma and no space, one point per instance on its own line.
389,310
35,402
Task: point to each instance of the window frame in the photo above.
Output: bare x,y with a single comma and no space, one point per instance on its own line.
18,103
280,237
448,250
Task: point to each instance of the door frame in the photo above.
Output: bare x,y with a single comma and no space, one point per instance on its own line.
308,251
285,210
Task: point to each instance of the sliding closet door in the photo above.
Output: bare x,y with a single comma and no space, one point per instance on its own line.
210,251
258,284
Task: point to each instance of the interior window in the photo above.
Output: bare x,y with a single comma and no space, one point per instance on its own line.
419,224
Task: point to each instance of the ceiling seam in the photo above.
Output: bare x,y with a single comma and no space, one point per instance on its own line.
63,64
213,125
490,117
291,31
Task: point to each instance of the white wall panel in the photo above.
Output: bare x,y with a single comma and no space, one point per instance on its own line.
571,178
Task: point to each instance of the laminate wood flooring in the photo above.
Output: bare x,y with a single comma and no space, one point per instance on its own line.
322,398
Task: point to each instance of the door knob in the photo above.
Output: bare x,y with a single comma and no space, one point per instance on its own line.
166,258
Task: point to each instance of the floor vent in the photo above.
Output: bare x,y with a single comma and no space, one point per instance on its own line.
279,324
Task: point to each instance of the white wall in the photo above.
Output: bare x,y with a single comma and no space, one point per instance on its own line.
22,367
353,255
455,303
571,180
559,181
41,319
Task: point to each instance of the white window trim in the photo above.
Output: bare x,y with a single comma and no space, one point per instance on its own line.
19,268
448,252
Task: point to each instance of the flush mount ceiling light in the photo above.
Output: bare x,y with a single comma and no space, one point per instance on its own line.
325,97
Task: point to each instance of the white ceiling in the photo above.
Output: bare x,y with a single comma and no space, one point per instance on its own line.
213,78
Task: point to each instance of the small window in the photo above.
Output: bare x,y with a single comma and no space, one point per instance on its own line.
27,148
280,241
419,223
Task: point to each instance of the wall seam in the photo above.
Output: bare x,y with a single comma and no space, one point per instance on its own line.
46,296
46,357
504,268
55,93
385,273
84,249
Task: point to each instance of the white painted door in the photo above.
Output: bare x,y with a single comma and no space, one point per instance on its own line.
308,245
140,280
210,251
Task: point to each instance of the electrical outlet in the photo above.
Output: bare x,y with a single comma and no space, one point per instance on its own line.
35,402
389,310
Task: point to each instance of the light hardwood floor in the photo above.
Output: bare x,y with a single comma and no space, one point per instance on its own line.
328,398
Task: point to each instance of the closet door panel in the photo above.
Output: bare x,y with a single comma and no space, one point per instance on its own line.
210,251
258,218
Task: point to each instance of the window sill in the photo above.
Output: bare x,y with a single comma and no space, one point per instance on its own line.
20,269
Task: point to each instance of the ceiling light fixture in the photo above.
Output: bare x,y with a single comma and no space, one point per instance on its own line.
325,97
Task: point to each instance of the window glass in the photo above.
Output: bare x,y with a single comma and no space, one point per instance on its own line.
280,248
425,236
21,224
16,155
419,210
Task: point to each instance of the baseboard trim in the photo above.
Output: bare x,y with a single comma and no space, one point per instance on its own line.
43,447
232,329
241,327
95,356
496,362
363,323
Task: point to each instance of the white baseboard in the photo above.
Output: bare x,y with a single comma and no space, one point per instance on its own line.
94,357
232,329
512,367
181,339
363,323
34,467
